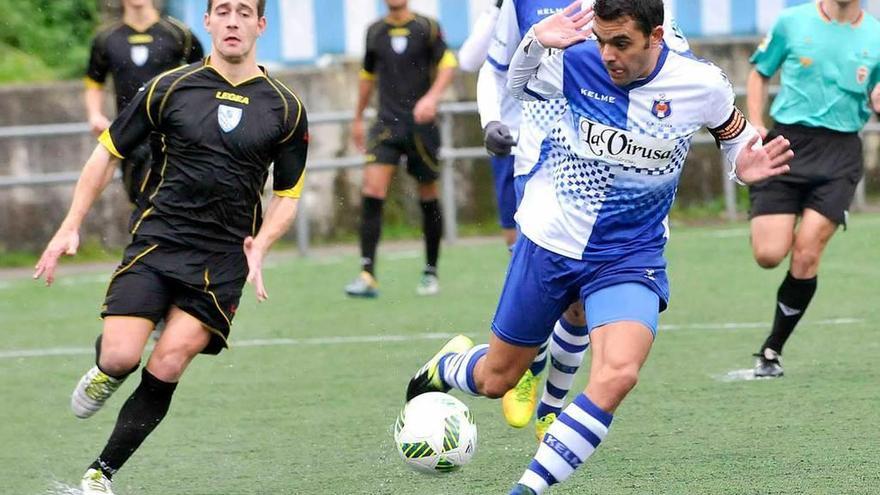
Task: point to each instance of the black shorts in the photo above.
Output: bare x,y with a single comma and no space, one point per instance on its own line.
419,143
154,277
825,171
134,171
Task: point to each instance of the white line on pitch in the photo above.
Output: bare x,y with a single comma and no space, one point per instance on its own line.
64,281
367,339
757,324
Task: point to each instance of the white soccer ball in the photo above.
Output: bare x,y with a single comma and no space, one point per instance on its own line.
435,433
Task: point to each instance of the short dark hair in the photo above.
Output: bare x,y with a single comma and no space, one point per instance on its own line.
261,7
648,14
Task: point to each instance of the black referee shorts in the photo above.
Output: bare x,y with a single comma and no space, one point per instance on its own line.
420,144
154,277
825,171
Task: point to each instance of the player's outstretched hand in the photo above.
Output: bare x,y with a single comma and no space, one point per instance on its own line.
255,254
566,28
64,242
756,163
498,139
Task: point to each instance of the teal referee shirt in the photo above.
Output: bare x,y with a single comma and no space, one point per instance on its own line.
828,68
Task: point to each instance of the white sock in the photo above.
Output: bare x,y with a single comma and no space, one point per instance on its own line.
457,369
568,345
569,441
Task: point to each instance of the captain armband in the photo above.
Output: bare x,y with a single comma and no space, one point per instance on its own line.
732,128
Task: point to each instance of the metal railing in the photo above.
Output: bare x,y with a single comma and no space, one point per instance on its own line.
448,156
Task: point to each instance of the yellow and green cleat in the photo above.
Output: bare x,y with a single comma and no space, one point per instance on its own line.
519,402
92,392
543,424
94,482
428,378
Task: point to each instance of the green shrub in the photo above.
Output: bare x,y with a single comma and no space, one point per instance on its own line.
46,33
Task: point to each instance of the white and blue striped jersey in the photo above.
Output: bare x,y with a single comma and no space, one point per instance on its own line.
530,122
609,169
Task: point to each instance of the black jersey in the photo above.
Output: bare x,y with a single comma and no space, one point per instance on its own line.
213,143
404,57
133,57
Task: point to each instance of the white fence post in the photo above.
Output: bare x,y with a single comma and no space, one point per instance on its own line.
447,181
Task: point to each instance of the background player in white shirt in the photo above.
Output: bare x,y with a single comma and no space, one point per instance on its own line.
569,344
594,209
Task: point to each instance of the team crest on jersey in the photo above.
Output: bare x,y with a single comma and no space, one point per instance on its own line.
140,54
662,108
228,117
862,75
399,44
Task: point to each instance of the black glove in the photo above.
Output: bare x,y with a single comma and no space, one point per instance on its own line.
498,3
498,139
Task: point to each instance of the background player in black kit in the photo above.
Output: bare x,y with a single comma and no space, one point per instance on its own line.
137,48
201,233
406,53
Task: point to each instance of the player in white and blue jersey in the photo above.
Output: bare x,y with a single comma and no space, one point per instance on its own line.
593,215
503,118
471,57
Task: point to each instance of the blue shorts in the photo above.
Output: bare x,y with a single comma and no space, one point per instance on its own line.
541,284
502,172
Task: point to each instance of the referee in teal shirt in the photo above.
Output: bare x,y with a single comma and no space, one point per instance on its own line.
828,53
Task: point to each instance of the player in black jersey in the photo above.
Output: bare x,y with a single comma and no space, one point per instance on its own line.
406,54
220,124
137,48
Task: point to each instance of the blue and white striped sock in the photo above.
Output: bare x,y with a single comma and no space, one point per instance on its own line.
568,344
568,443
540,361
457,369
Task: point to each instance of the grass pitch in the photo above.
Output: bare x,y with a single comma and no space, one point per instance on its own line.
305,403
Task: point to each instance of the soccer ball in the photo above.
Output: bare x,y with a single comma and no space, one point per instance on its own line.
435,433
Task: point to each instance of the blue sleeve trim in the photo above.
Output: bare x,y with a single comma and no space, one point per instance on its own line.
497,65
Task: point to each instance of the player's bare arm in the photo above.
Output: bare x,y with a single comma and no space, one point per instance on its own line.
98,122
277,220
757,91
96,174
365,92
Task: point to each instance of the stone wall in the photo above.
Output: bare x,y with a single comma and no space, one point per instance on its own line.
30,214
